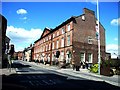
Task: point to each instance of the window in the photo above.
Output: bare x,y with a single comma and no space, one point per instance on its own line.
58,33
68,57
89,40
46,47
82,57
83,18
43,49
49,37
53,45
41,41
62,42
49,46
69,27
90,57
53,35
63,31
57,44
62,56
68,40
97,22
46,38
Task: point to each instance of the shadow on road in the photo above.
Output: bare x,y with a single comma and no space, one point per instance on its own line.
19,65
50,81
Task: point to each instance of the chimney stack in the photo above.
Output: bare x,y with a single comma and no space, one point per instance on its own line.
88,11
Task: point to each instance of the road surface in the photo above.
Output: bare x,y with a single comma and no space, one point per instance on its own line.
31,77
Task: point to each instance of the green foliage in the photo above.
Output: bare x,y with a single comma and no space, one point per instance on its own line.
105,63
94,68
114,63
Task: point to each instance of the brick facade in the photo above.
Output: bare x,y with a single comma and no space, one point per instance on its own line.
20,55
75,39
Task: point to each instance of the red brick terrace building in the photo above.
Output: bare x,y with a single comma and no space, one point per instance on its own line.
73,40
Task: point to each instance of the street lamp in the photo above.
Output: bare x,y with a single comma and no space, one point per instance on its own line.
99,56
116,55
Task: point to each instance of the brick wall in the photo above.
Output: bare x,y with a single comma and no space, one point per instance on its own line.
79,31
83,29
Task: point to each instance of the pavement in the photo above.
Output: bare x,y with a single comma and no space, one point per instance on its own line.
83,73
7,71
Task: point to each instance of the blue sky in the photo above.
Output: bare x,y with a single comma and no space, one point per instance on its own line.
26,21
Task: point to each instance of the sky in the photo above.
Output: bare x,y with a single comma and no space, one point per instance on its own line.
27,20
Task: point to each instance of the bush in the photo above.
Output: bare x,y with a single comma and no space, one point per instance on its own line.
105,63
114,63
118,72
94,68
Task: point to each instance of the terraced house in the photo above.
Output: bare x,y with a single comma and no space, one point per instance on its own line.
73,40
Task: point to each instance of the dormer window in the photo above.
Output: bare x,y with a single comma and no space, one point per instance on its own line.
96,22
83,18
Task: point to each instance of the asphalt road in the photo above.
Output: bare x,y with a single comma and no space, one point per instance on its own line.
31,77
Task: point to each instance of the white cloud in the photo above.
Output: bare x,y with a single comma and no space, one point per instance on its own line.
115,22
113,49
21,37
21,11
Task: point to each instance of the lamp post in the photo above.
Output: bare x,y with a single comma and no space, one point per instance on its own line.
116,55
99,56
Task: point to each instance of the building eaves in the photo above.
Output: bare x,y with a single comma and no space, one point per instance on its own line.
56,28
64,23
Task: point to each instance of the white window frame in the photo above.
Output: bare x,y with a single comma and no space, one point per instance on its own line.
57,44
62,56
62,42
91,57
68,27
83,56
83,18
53,44
50,37
57,33
53,35
68,40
